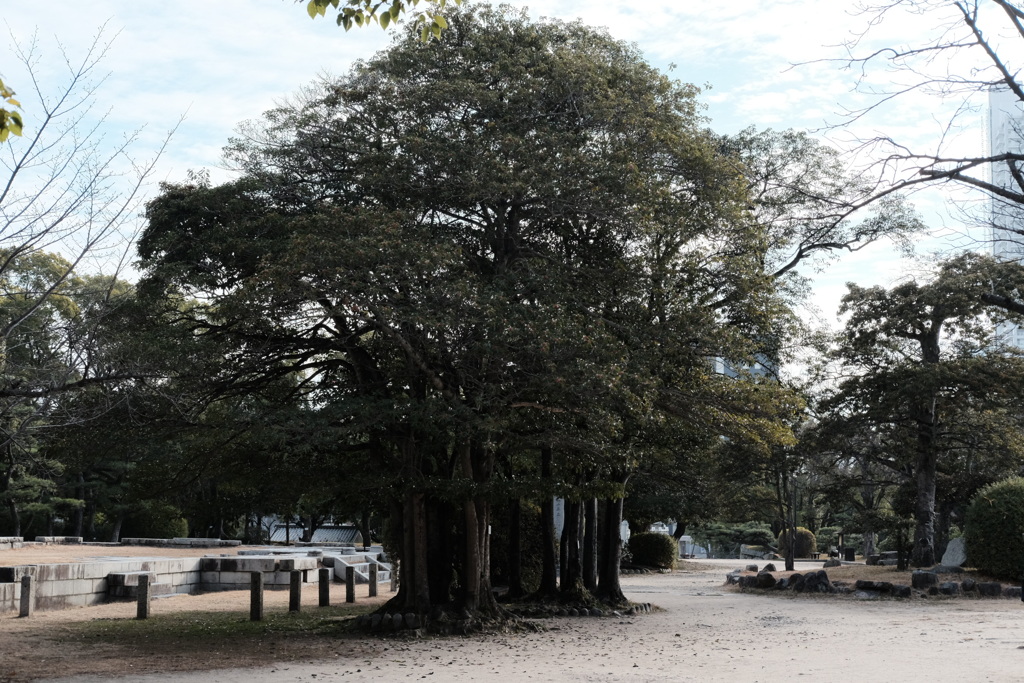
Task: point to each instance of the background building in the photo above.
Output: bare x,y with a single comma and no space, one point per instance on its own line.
1006,133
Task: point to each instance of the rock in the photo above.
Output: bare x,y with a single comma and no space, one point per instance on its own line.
946,569
922,579
1012,592
832,563
888,563
824,585
990,589
375,620
766,580
770,567
573,612
751,568
968,585
796,582
880,586
956,553
949,588
901,591
782,584
596,613
866,595
412,621
933,590
397,621
748,582
872,560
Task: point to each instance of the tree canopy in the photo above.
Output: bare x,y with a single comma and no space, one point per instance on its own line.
517,239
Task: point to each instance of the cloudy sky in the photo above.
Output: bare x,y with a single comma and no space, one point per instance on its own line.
217,64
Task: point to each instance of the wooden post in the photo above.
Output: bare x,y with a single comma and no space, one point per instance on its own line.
294,590
325,586
350,584
256,596
373,579
26,596
143,609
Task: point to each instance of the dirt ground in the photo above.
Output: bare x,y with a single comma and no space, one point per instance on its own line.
702,632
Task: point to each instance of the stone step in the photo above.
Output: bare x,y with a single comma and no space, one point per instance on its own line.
156,590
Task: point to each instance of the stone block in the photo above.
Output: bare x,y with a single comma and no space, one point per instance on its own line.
292,563
949,588
990,589
129,578
14,574
922,580
901,591
956,553
880,586
1012,592
251,563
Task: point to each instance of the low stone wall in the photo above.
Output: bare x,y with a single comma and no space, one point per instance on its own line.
923,584
10,542
233,573
181,542
78,584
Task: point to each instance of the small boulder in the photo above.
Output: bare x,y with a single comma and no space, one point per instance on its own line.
922,580
832,563
770,567
901,591
880,586
1012,592
412,621
968,585
990,589
949,588
751,568
956,553
766,580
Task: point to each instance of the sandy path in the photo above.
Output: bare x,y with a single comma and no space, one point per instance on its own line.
704,633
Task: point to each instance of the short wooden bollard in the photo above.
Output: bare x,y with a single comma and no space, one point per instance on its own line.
325,586
295,590
256,596
350,584
373,580
143,609
26,597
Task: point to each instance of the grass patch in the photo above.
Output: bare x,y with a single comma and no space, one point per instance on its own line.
208,630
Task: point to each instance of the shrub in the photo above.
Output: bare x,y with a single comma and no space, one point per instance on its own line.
992,529
805,542
154,519
652,549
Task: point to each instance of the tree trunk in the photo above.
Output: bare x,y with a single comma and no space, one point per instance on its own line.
515,550
78,527
926,416
590,544
572,580
609,589
115,532
923,552
869,543
548,589
364,528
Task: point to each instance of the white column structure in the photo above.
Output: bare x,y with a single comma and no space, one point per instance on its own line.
1006,134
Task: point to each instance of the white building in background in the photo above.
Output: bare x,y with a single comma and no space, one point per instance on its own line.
1005,134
